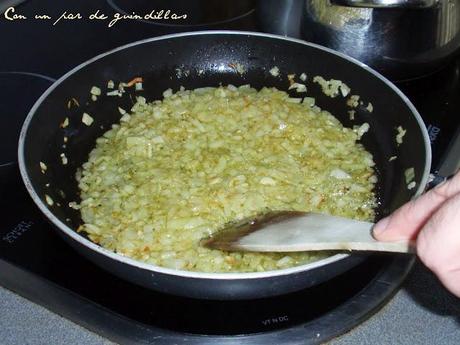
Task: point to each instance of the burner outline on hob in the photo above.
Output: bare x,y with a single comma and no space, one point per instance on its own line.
16,112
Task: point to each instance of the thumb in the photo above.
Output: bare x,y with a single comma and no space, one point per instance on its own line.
406,222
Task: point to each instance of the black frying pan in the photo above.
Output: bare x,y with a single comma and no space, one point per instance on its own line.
209,58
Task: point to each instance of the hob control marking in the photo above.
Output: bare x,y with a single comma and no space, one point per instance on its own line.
17,231
275,320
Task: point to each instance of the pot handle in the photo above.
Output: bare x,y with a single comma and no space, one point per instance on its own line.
386,3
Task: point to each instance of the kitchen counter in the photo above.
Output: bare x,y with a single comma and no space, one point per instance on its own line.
422,312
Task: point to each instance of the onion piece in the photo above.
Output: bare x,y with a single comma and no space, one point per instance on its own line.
87,119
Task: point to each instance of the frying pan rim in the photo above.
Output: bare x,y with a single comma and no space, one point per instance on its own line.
192,274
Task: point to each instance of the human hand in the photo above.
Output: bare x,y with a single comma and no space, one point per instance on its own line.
432,221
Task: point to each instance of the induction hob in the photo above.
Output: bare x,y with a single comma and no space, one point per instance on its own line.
38,265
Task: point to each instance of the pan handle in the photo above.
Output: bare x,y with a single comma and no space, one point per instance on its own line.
450,162
386,3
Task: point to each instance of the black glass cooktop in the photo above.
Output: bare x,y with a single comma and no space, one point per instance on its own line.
37,264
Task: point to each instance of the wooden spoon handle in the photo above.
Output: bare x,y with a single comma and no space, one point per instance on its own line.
309,232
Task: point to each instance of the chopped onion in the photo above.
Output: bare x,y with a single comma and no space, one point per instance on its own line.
43,167
331,87
370,107
65,123
49,200
339,174
87,119
409,175
167,93
344,89
125,118
360,130
353,101
95,91
400,135
298,87
275,71
176,170
114,93
310,101
64,159
291,78
267,181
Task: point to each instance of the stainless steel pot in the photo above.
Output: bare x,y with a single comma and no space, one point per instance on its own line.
401,38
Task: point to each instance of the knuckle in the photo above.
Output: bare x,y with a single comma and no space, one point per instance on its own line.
449,187
424,251
428,253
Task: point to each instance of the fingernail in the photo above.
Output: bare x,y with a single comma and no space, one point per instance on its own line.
381,226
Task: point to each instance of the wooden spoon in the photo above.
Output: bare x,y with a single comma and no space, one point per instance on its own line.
287,231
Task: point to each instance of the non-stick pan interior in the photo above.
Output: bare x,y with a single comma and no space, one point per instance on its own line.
211,59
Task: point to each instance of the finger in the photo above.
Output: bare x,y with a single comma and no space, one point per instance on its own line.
438,244
406,222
